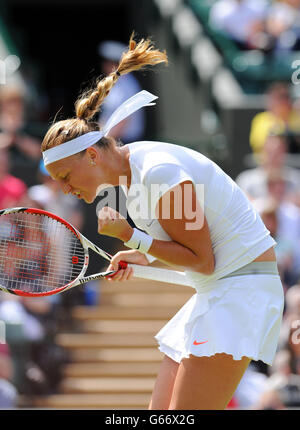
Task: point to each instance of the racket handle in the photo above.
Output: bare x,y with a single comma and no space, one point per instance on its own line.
156,274
122,265
160,275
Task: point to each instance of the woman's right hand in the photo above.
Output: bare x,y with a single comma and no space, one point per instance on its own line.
132,256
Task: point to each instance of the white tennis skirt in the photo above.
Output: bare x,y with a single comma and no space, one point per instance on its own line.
239,315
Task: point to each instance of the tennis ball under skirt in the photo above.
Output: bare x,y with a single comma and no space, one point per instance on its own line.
239,315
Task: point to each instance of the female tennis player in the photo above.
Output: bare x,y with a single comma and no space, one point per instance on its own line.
190,215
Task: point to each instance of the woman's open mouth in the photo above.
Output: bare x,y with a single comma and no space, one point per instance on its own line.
77,194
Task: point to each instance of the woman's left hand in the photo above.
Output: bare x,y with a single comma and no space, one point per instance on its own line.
112,223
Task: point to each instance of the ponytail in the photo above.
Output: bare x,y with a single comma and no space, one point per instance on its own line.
138,56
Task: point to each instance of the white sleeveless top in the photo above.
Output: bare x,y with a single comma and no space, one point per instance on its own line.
237,232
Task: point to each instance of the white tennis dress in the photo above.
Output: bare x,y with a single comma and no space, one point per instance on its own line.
239,315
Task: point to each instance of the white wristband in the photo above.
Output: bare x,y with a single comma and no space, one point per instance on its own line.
140,241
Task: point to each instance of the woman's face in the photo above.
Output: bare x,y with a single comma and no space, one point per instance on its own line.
270,221
294,343
78,175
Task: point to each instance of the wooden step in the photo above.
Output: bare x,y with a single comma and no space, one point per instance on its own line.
93,401
113,385
116,355
106,340
127,326
137,299
131,369
120,313
114,360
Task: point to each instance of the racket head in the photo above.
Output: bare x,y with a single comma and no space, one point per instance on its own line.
40,253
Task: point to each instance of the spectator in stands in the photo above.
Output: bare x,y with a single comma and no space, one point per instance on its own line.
286,248
259,24
30,331
24,148
13,122
289,389
32,325
8,392
47,195
291,313
288,221
272,159
280,117
250,388
292,300
242,21
288,228
132,128
283,24
39,367
290,337
282,389
12,190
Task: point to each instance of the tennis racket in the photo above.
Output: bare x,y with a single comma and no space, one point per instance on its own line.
42,254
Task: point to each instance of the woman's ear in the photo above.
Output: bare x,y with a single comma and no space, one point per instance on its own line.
93,155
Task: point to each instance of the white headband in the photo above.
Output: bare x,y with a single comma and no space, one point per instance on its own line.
131,105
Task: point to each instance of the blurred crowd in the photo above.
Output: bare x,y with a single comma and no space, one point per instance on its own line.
272,26
30,361
273,186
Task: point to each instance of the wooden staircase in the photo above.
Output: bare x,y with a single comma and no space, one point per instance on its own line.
114,357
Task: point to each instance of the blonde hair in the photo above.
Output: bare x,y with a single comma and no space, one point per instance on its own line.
139,55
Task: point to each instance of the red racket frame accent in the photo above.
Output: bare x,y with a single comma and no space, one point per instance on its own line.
66,224
50,215
35,211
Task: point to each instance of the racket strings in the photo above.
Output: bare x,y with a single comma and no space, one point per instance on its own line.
37,253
